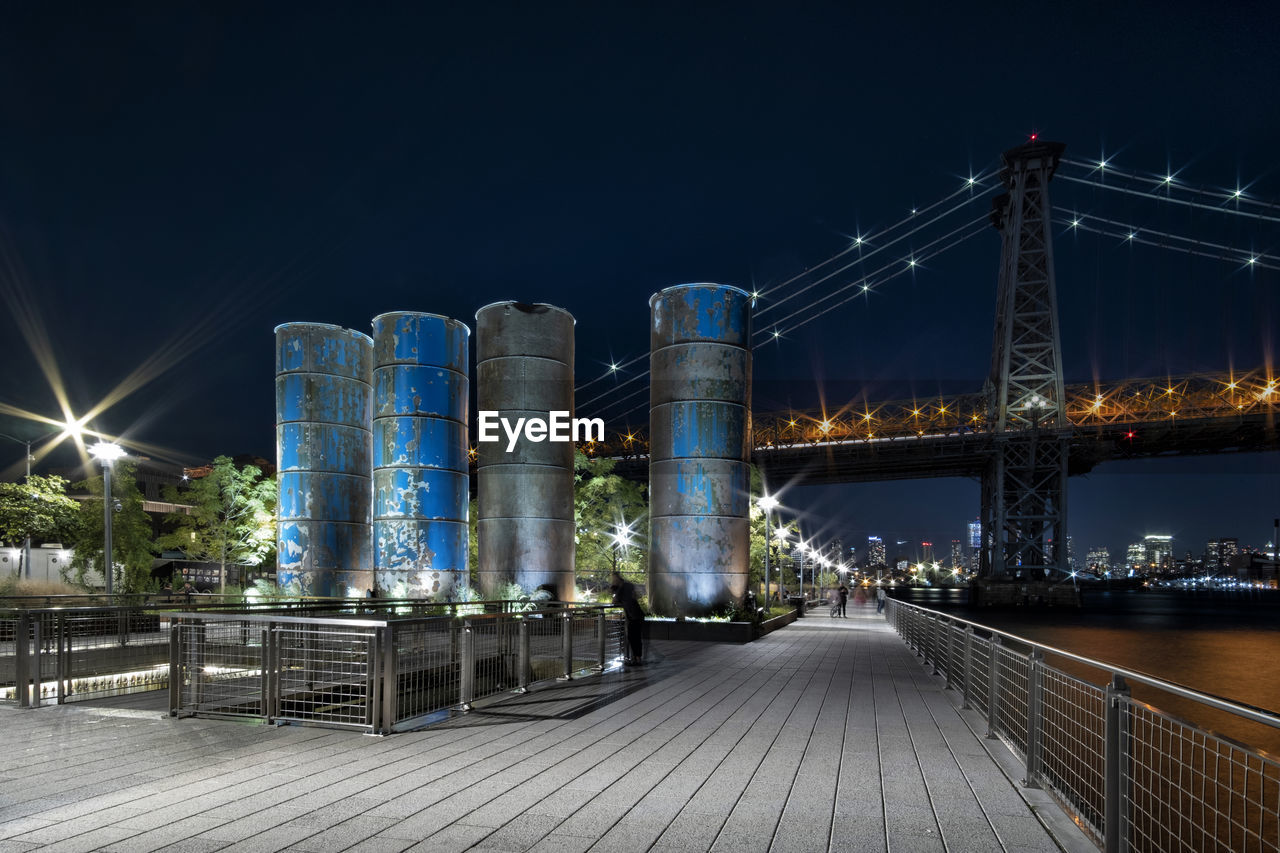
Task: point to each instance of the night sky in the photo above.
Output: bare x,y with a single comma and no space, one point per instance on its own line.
177,179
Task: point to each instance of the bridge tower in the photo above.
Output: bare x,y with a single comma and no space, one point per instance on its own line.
1024,488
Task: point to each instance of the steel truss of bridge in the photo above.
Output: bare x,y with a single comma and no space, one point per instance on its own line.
951,437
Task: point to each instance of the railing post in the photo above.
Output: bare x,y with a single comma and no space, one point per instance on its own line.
968,667
566,645
935,624
1035,726
467,679
1115,816
373,681
37,668
522,661
62,664
601,628
22,663
390,686
265,686
947,666
993,688
175,667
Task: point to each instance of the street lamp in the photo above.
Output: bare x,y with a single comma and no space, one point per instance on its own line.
767,503
106,454
781,535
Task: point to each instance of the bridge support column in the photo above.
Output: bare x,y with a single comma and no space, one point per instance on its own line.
1024,489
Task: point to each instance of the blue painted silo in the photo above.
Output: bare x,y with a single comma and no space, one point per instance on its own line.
699,434
420,481
324,398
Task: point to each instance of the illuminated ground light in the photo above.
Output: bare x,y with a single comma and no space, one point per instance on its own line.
120,683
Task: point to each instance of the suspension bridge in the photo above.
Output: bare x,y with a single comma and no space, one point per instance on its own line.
1026,430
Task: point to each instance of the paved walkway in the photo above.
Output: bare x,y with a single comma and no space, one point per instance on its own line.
826,735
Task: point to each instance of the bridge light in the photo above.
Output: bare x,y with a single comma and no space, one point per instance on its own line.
970,181
1075,223
1102,164
1130,435
1133,234
1237,193
1034,136
1253,261
776,333
1168,179
825,426
613,367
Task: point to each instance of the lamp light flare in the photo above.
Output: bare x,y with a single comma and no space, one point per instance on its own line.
106,452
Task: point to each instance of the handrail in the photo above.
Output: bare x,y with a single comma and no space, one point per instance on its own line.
378,623
1258,715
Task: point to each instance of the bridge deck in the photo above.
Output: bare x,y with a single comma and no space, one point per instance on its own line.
826,735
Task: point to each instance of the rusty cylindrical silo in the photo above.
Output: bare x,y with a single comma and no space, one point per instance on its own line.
324,398
524,369
699,434
421,489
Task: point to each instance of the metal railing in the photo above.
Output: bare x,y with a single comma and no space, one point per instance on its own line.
376,675
53,655
1133,776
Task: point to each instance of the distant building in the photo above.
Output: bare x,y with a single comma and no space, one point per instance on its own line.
875,551
1071,555
957,555
1218,553
926,552
1098,560
1136,558
1159,552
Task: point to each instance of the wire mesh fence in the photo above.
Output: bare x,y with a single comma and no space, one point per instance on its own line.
1134,777
377,675
81,650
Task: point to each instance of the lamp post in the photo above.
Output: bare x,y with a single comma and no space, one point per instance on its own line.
781,535
106,454
767,503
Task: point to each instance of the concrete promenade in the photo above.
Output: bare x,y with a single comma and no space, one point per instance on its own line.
825,735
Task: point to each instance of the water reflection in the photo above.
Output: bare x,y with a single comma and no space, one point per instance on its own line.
1226,644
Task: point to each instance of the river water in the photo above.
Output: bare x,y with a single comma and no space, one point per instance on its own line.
1223,643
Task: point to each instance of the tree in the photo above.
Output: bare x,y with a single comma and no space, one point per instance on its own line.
778,546
38,508
131,543
610,517
231,518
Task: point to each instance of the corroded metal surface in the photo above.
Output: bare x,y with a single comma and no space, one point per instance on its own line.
420,484
323,450
699,428
524,368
